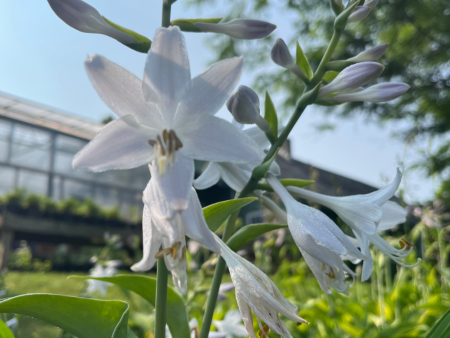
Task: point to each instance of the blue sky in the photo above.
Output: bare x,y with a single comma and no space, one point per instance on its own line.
42,60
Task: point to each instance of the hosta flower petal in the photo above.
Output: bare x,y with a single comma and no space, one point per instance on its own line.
316,268
195,224
281,55
236,176
382,92
239,28
85,18
176,185
371,54
151,245
167,74
393,214
352,78
246,314
121,91
208,178
359,13
121,144
210,90
213,139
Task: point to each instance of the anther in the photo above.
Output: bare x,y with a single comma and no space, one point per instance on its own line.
403,242
163,252
330,274
174,249
183,254
152,142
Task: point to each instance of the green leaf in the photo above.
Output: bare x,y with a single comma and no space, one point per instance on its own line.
187,25
302,61
144,286
442,328
270,115
85,318
5,332
261,170
143,43
287,182
250,232
130,334
216,214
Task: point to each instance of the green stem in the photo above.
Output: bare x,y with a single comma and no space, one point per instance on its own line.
161,299
167,7
325,59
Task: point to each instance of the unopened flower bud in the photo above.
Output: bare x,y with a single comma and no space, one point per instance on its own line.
282,57
371,54
337,6
359,13
244,106
371,3
246,29
378,93
352,78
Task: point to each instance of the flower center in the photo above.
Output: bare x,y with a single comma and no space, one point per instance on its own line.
165,147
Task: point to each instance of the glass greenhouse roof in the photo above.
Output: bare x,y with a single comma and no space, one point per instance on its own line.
40,115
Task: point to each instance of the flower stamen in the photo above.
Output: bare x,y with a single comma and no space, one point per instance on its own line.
264,331
163,252
165,148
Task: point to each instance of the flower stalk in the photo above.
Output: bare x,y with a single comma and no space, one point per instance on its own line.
161,299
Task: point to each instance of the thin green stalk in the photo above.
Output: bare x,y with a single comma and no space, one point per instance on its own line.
167,7
161,299
320,71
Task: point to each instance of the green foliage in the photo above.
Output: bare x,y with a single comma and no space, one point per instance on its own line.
145,287
261,170
216,214
249,233
292,182
142,44
303,63
5,332
187,25
85,318
442,328
270,115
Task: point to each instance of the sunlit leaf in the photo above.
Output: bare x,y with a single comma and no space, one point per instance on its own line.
5,332
187,25
144,286
270,115
287,182
142,43
303,63
249,233
442,328
216,214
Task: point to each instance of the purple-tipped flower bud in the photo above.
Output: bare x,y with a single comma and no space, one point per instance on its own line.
85,18
378,93
359,13
244,106
371,3
352,78
246,29
282,57
371,54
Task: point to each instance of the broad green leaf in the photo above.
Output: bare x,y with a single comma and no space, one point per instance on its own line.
442,328
270,115
187,25
144,286
287,182
216,214
5,332
85,318
143,43
302,61
250,232
330,76
261,170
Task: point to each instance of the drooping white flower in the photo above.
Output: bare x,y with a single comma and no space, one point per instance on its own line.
244,106
319,239
85,18
101,271
352,78
255,291
366,214
382,92
246,29
166,119
281,55
235,175
163,226
371,54
231,325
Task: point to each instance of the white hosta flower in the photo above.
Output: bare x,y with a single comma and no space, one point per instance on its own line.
100,271
371,54
319,239
281,55
382,92
231,325
166,119
246,29
352,78
359,13
85,18
244,106
163,226
255,291
236,176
